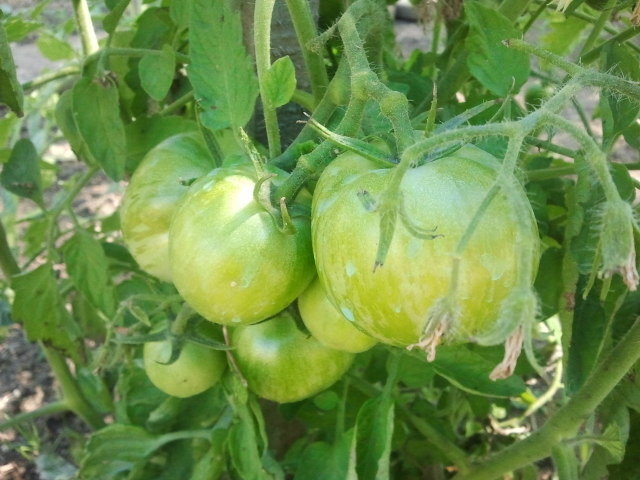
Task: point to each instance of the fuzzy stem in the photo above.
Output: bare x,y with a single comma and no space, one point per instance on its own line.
73,397
179,324
177,104
262,41
593,155
85,26
183,435
549,173
598,26
63,204
551,147
306,31
136,53
48,409
50,77
535,15
583,76
311,164
504,175
321,114
365,83
620,37
71,392
568,419
583,117
546,55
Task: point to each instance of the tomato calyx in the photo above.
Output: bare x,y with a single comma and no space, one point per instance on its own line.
366,149
441,317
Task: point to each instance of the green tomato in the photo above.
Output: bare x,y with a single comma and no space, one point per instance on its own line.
283,364
328,325
392,303
152,195
197,369
229,260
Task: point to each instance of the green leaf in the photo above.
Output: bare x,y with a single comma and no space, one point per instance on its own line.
94,389
34,236
469,371
243,450
40,308
591,333
212,463
613,440
495,66
548,282
67,124
323,460
10,89
8,125
18,28
54,49
374,429
617,112
280,82
88,268
221,71
609,446
146,132
137,396
111,19
96,113
179,12
630,467
115,449
157,71
565,462
414,373
21,174
632,135
564,31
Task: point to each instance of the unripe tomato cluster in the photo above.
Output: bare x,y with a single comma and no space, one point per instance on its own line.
202,229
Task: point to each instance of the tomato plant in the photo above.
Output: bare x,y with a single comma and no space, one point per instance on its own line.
284,364
393,302
468,194
229,260
327,324
152,196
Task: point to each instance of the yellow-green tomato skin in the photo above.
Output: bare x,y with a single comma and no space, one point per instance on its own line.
229,260
282,363
328,325
197,369
152,195
392,302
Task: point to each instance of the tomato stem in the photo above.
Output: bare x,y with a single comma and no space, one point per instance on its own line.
564,424
85,26
50,77
262,41
61,205
306,31
71,392
48,409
